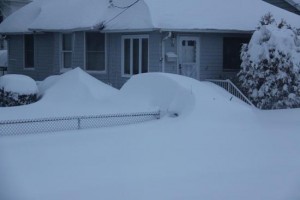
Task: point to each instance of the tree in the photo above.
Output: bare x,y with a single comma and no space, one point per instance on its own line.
270,69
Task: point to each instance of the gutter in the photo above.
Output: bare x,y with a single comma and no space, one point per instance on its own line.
294,4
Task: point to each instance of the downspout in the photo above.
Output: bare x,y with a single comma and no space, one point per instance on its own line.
163,49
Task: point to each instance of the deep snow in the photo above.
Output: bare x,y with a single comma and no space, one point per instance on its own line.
217,148
189,15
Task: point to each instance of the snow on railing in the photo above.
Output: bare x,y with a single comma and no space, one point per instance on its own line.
232,89
30,126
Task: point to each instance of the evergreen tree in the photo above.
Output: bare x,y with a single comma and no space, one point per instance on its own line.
270,74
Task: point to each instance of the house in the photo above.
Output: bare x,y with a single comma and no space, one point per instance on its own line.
7,7
115,39
290,5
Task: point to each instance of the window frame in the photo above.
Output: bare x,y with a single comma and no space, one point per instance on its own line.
131,38
24,53
105,55
62,68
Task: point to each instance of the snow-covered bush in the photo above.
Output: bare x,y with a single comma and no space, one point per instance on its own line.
271,64
17,90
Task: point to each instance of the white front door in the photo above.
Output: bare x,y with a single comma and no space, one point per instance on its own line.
189,53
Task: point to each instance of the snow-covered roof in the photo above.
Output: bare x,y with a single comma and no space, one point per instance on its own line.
197,15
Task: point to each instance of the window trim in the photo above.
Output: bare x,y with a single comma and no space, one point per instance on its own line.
132,37
61,52
105,55
24,53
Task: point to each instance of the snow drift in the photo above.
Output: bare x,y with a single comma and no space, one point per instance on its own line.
220,149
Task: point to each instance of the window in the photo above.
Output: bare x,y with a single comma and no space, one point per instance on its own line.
134,55
66,50
95,51
29,51
231,52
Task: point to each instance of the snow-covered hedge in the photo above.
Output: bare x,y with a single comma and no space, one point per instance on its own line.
271,64
17,90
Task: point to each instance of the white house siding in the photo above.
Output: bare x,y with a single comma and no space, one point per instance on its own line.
15,54
114,42
44,56
47,55
211,54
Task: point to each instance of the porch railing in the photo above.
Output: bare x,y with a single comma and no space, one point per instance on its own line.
232,89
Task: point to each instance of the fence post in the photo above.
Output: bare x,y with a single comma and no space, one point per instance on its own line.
79,123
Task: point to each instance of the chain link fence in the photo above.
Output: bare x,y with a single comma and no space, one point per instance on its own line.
31,126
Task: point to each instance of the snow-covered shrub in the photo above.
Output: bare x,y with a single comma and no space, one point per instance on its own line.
270,66
17,90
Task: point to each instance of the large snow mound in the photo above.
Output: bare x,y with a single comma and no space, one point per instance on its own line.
74,85
20,84
221,150
157,89
175,94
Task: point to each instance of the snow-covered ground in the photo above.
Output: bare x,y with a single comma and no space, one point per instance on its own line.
217,148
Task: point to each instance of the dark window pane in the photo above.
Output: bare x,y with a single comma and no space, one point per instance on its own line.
67,42
67,59
232,51
95,61
135,57
144,55
127,56
95,41
191,43
29,51
95,51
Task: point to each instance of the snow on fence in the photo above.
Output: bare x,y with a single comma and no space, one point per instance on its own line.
232,89
31,126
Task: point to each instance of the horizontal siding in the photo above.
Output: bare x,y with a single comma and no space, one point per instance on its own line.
47,62
211,56
15,54
44,54
44,48
115,52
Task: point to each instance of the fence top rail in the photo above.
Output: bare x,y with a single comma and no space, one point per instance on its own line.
53,119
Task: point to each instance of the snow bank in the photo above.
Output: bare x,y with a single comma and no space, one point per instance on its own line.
20,84
3,58
74,85
221,150
160,91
